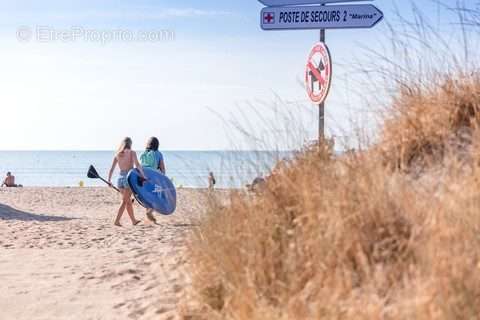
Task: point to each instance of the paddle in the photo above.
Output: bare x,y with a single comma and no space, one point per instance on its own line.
93,174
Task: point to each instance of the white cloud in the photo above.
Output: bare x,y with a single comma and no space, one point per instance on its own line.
157,14
192,12
135,14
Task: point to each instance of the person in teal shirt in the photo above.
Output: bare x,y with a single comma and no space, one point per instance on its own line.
153,159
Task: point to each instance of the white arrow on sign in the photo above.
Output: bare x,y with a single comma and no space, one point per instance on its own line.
280,3
320,17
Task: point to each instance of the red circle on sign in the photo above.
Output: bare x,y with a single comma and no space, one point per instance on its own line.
318,74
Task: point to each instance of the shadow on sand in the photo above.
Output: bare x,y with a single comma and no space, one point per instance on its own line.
8,213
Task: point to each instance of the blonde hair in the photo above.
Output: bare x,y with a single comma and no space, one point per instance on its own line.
125,145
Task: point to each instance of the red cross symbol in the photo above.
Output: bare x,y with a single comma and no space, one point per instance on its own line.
269,17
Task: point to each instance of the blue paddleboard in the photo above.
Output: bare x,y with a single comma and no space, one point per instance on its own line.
157,193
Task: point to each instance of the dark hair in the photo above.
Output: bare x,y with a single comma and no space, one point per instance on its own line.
152,144
9,173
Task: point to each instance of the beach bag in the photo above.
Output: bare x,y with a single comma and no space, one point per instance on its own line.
149,160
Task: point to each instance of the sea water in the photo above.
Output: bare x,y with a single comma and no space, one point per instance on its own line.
232,169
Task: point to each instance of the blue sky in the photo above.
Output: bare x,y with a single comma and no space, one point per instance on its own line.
84,95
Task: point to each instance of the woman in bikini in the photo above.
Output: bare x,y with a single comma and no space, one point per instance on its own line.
126,159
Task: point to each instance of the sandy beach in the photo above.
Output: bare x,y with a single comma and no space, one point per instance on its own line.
62,258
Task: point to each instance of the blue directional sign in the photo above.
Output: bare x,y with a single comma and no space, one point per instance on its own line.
280,3
320,17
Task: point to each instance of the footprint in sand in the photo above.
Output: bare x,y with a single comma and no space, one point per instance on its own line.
177,288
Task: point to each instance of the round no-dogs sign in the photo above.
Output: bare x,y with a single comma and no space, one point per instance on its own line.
318,74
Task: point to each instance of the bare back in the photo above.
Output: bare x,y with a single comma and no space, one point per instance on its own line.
126,160
9,181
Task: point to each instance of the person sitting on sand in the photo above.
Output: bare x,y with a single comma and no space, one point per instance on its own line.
257,184
153,159
9,181
126,159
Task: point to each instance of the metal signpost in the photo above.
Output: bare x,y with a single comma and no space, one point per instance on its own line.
321,105
317,14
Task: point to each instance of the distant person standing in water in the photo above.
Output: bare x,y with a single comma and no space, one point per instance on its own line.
9,181
211,181
126,159
153,159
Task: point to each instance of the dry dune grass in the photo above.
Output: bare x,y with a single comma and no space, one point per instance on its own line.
425,123
392,232
357,236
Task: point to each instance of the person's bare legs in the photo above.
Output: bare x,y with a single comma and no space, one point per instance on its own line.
127,199
150,216
120,210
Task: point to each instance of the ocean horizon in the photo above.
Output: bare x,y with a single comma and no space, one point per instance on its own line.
45,168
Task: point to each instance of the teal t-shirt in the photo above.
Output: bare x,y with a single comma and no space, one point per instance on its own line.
151,159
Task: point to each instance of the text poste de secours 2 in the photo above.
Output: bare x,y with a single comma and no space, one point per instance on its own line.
312,16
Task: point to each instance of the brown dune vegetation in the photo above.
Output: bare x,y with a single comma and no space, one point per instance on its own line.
390,231
387,233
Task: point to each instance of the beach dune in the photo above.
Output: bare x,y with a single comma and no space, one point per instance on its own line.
62,258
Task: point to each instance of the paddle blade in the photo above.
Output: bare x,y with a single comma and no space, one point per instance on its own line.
92,173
